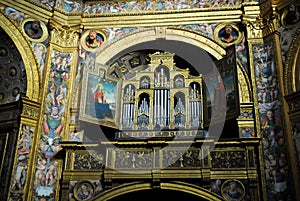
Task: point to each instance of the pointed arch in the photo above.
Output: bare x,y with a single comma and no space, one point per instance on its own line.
28,57
174,186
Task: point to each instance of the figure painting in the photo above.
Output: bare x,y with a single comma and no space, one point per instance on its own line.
222,91
92,39
84,191
291,16
100,98
227,34
233,190
35,30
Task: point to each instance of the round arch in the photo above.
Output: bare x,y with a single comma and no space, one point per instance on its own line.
157,36
244,85
28,57
173,186
292,70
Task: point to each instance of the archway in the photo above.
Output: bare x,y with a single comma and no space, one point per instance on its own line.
175,191
28,57
191,46
167,39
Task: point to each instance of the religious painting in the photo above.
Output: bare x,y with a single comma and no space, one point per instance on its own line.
291,16
3,142
84,190
222,88
99,95
92,39
227,34
35,30
233,190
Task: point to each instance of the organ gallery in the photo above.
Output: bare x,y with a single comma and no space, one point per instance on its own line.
131,100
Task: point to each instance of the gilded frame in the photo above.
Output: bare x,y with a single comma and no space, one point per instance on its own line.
43,31
238,36
100,34
104,113
240,190
3,146
287,13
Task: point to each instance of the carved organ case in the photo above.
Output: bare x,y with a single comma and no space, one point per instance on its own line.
162,97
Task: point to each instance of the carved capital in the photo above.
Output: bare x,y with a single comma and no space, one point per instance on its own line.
259,27
65,36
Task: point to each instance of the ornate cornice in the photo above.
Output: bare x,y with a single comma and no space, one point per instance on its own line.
65,36
259,26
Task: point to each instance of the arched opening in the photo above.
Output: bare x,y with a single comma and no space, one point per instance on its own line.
28,57
175,191
158,194
199,52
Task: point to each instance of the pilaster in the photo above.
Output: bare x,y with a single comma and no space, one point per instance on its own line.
262,24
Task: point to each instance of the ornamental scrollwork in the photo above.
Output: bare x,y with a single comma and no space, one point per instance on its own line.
30,112
259,26
88,161
228,159
178,159
133,159
65,37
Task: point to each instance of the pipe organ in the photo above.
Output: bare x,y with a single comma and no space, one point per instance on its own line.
162,97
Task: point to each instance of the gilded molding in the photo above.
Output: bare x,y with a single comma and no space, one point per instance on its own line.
290,71
259,27
28,57
30,112
106,52
244,84
65,38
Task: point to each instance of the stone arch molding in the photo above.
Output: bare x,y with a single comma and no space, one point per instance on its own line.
159,33
175,186
28,57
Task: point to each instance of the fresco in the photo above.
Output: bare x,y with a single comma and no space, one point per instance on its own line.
46,173
275,153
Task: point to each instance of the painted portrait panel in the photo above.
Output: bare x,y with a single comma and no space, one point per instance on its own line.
83,190
227,34
224,84
233,190
99,95
291,16
35,30
93,39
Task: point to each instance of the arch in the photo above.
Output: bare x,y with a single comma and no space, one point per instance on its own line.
292,70
159,34
28,57
244,85
175,186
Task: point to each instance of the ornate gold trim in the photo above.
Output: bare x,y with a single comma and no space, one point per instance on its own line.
28,57
290,70
108,51
44,35
85,35
284,16
244,84
176,186
235,28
